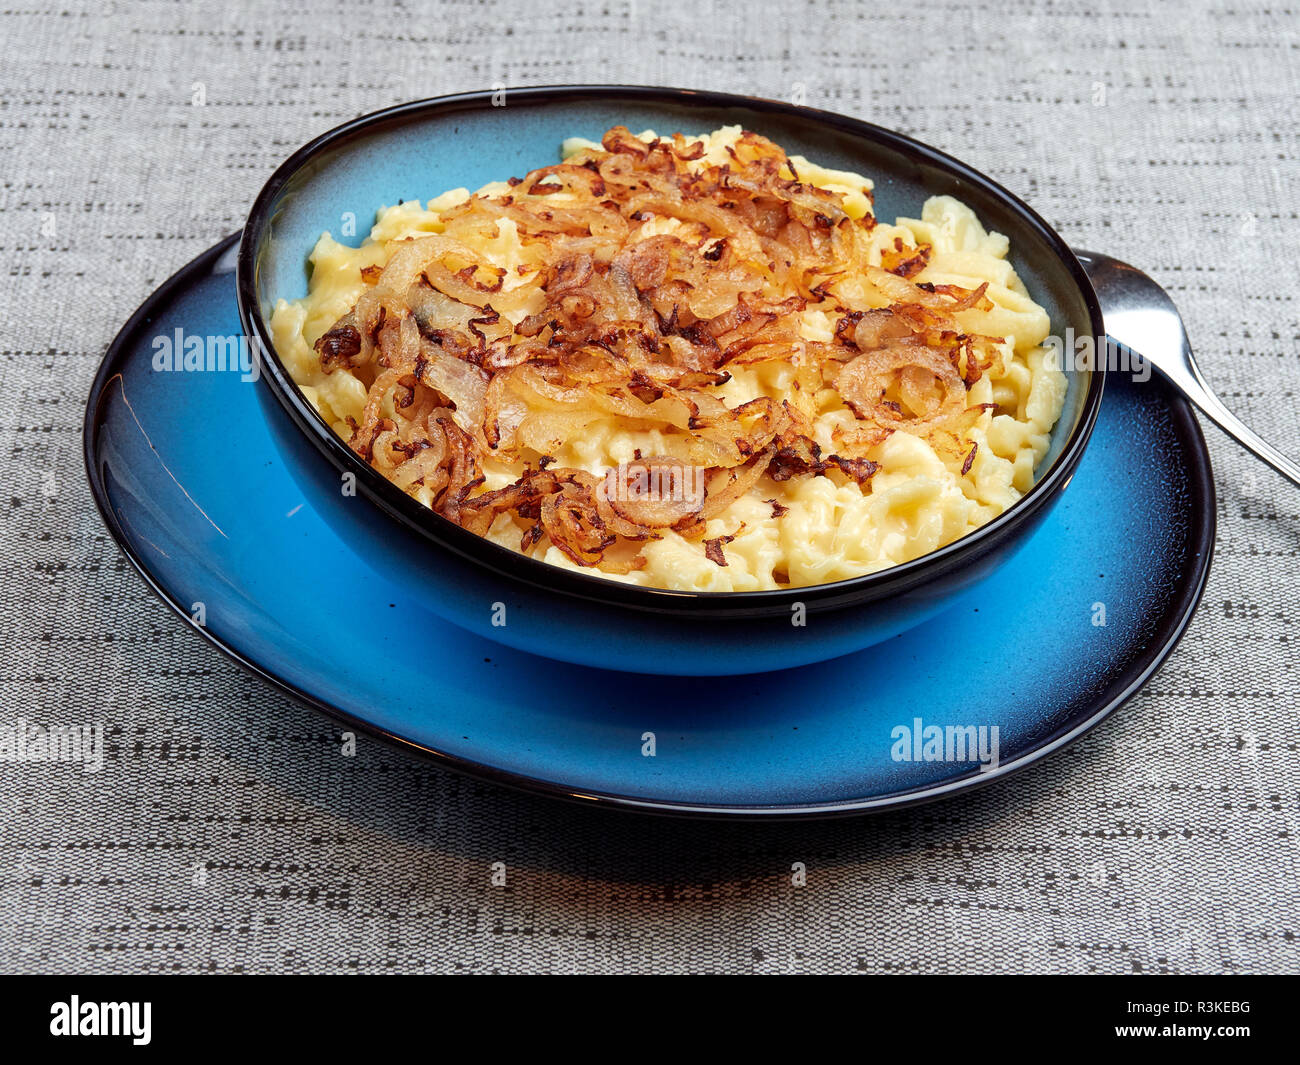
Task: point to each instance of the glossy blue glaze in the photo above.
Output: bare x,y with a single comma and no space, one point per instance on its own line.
419,149
191,484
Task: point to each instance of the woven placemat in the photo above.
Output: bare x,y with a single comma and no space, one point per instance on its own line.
225,832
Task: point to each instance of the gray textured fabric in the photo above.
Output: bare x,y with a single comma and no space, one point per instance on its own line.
226,834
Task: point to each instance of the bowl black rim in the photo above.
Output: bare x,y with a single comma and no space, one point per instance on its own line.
512,565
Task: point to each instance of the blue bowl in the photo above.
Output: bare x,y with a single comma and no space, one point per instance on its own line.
419,149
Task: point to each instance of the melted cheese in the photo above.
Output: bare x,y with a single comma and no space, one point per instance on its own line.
917,502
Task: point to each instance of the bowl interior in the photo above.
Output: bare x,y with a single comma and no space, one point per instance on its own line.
418,154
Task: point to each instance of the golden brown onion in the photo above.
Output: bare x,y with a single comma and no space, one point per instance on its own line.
646,276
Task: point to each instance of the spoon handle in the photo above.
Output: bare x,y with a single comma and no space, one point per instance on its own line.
1187,377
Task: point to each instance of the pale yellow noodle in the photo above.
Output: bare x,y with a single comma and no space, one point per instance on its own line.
918,501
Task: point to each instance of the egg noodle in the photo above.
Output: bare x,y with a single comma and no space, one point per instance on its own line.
843,393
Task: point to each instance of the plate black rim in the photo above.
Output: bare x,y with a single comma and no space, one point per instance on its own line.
1201,542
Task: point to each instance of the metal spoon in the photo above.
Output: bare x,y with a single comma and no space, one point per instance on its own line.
1140,316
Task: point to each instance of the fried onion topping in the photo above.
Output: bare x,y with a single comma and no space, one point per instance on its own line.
661,275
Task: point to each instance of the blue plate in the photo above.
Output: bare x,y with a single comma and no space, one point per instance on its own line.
188,481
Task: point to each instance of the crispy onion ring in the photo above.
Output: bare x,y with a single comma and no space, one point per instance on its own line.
916,371
656,492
